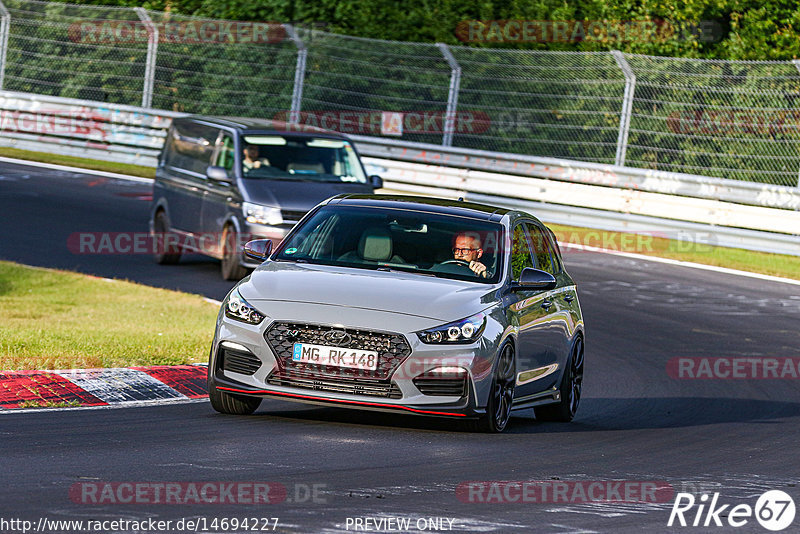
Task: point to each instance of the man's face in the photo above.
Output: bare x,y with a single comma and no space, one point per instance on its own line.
466,248
251,152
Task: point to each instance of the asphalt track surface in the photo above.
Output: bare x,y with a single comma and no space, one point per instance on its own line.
636,423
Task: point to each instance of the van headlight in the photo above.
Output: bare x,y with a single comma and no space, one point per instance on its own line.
240,310
463,331
258,214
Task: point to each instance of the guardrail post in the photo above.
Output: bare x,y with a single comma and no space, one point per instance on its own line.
152,51
299,74
452,95
5,26
627,106
797,66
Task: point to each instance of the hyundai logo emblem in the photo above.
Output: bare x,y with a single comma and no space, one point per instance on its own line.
337,337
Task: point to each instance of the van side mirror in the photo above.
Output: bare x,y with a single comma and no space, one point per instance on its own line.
258,249
218,174
376,181
534,279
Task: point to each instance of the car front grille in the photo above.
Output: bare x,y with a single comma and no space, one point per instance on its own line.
392,349
238,361
352,386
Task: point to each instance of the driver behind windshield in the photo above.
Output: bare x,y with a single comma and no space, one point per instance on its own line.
467,248
251,159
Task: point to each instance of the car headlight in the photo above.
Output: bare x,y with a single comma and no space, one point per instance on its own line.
240,310
463,331
258,214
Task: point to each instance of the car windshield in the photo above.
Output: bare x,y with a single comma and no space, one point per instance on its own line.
445,246
276,157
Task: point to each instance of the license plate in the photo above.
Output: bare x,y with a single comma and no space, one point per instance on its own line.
338,356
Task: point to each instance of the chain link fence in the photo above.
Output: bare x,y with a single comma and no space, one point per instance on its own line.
728,119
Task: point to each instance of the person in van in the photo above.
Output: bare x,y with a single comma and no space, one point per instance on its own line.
251,159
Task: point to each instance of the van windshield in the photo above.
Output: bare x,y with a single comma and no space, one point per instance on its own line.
275,157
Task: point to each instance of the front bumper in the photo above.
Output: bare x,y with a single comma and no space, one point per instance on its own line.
476,359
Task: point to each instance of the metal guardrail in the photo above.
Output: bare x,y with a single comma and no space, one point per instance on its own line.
81,128
686,207
686,185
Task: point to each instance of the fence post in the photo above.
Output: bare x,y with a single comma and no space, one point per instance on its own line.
299,74
5,26
797,66
452,95
152,51
627,106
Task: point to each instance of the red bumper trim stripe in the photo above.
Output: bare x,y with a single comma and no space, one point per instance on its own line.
378,404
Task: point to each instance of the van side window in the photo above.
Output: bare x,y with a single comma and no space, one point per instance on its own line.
191,146
226,154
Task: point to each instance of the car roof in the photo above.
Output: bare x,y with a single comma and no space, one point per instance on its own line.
429,204
253,125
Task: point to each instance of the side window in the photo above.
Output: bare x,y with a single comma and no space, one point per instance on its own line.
225,154
520,252
191,146
541,249
556,250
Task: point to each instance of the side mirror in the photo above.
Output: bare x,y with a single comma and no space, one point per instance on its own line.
534,279
258,249
376,181
218,174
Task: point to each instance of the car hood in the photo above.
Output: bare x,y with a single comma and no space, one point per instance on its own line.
410,294
295,195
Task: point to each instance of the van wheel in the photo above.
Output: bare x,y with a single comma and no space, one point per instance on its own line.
231,268
167,252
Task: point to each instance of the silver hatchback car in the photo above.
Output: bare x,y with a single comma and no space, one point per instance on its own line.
405,304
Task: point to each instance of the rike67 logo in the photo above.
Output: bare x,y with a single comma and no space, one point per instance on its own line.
774,510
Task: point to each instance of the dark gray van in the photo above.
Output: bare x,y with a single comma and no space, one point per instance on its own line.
221,182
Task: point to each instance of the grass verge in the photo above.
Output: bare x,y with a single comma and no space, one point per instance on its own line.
61,320
731,258
84,163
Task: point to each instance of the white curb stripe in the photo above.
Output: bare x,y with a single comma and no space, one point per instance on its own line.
77,170
120,385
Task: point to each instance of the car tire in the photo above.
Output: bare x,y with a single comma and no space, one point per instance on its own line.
232,404
231,258
501,396
164,255
571,383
